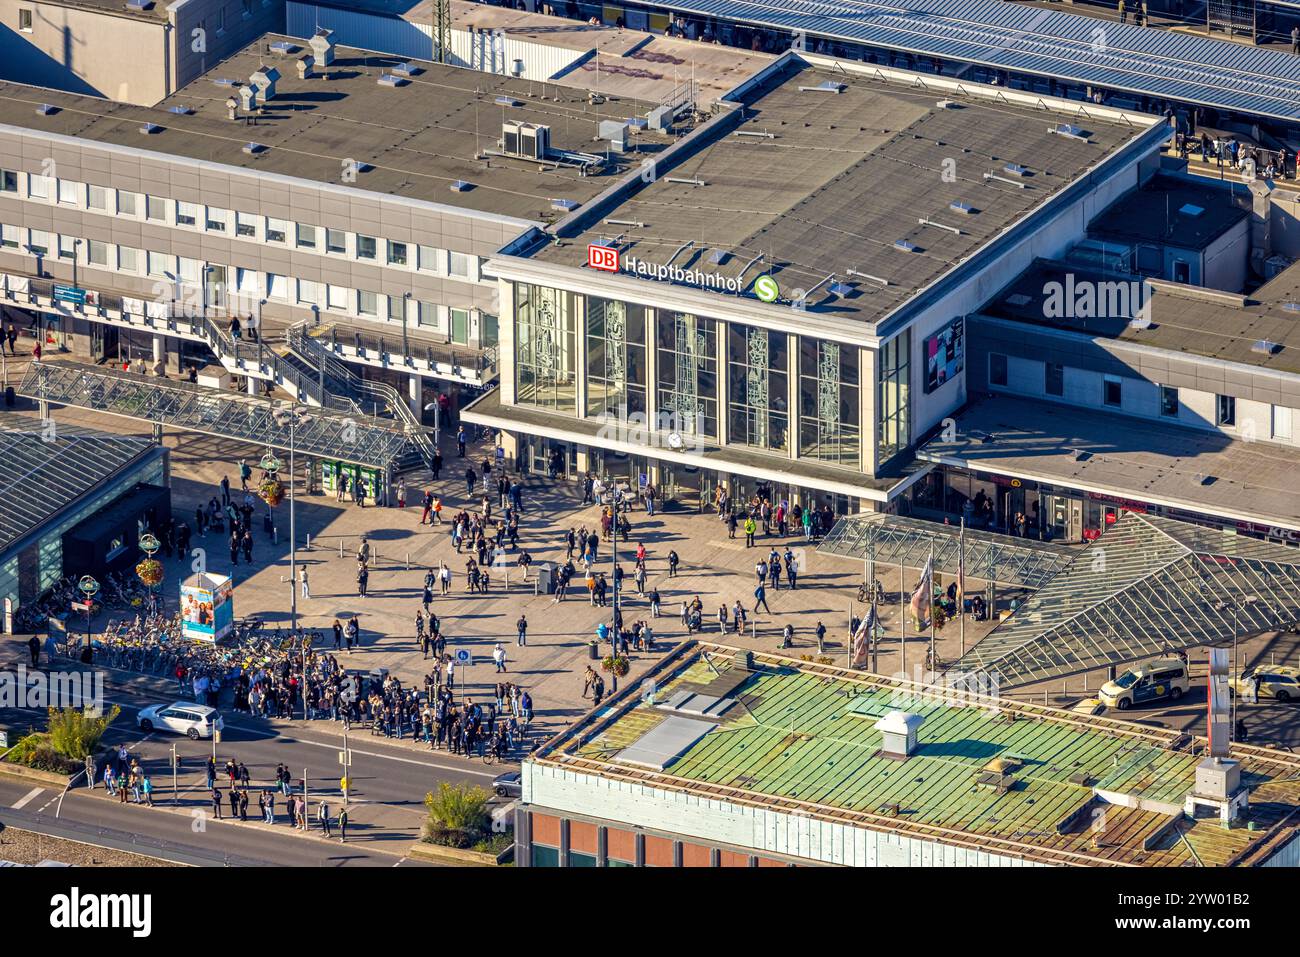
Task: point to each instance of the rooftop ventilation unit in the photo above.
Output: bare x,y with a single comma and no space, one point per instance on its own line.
47,109
283,47
406,69
180,110
1068,130
1139,322
223,81
947,105
388,79
1192,210
304,65
718,257
322,46
682,180
826,86
1265,348
565,205
1015,169
506,101
461,186
248,97
841,289
1291,306
898,732
759,134
138,6
150,128
959,206
527,140
904,246
264,81
252,149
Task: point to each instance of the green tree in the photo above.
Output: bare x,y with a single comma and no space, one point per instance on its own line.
75,733
458,814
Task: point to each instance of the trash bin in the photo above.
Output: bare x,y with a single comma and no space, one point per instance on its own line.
546,578
10,396
593,650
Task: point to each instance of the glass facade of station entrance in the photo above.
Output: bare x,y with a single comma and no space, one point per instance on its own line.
779,394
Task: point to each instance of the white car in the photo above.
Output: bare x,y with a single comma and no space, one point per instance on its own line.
184,717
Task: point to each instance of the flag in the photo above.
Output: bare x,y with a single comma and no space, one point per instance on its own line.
861,641
924,595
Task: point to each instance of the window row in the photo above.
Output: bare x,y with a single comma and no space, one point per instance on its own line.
268,229
249,284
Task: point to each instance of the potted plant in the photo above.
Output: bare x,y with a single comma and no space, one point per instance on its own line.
150,571
617,665
271,491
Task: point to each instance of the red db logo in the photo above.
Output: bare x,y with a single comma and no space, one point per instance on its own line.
602,258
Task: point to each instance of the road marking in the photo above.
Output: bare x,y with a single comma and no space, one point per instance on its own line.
393,757
24,801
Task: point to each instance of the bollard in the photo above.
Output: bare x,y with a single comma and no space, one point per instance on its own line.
408,561
340,546
307,547
275,535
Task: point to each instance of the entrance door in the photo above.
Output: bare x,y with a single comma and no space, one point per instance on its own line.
215,294
103,341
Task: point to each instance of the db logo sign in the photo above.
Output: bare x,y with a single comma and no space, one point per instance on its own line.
602,258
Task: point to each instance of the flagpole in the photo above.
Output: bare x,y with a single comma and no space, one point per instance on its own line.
904,606
929,588
961,584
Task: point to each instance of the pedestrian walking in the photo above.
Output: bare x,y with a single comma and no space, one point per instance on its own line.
323,817
306,584
522,626
343,826
499,657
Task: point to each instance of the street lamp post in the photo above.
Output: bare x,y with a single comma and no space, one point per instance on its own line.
292,416
149,544
90,588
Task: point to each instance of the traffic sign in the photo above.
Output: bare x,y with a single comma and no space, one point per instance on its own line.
462,656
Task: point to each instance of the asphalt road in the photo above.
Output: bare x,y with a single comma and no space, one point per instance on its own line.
386,796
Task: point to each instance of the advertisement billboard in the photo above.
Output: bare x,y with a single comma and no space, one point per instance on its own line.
207,608
945,353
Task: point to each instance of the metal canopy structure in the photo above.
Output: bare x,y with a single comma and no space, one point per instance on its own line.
1078,49
370,441
1149,586
42,473
895,540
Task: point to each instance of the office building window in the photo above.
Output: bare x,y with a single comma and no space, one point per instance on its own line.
432,259
997,369
159,264
9,181
189,270
687,387
396,253
96,197
9,237
758,388
1053,378
1282,423
67,247
246,282
1225,410
463,266
308,292
306,236
1169,401
69,193
616,358
336,297
186,213
277,230
426,314
277,286
830,405
246,225
39,241
1112,392
396,308
217,220
367,303
365,247
893,397
458,319
128,204
25,20
38,187
128,259
155,209
546,347
336,241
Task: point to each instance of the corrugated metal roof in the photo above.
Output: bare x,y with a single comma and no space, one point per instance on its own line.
39,476
1160,63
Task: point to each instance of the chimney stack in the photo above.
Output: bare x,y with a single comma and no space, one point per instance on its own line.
898,732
